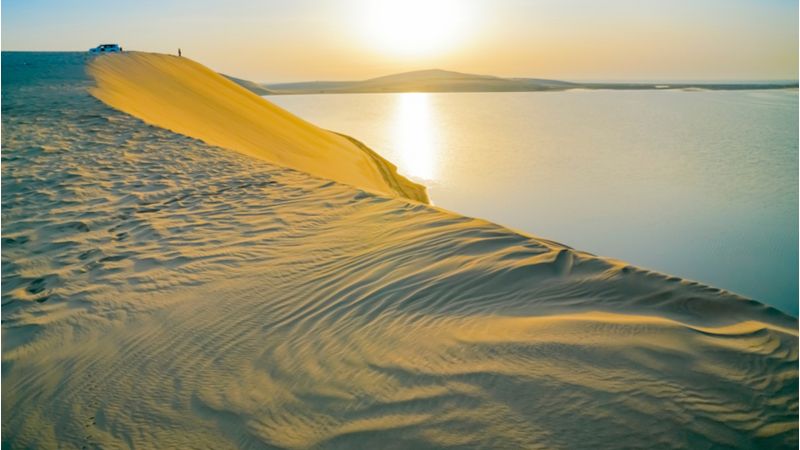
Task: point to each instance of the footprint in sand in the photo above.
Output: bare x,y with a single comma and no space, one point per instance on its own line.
37,286
9,241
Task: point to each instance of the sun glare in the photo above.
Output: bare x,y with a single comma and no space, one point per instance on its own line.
414,132
415,27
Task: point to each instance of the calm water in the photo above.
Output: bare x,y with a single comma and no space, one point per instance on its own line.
698,184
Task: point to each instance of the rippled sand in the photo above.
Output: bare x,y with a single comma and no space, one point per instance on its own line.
159,292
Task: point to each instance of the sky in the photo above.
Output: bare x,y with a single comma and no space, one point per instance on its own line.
294,40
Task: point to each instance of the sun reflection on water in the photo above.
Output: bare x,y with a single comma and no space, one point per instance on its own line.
415,135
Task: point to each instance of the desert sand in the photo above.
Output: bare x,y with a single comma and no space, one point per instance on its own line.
163,292
180,95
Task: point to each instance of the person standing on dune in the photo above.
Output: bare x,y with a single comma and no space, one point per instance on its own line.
179,52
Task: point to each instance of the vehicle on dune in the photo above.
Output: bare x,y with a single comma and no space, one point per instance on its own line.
106,48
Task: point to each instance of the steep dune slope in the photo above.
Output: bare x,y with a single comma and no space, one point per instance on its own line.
183,96
159,292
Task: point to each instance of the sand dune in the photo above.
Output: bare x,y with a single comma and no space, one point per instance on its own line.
160,292
186,97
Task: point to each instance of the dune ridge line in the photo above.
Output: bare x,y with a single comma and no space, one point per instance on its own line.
186,97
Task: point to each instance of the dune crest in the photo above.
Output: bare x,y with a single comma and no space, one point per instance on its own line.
186,97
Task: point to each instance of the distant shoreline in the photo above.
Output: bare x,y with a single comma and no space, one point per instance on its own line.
596,87
446,81
441,81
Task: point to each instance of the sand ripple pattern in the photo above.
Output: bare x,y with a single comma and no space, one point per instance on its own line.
162,293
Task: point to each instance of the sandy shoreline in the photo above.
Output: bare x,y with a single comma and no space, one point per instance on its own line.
159,292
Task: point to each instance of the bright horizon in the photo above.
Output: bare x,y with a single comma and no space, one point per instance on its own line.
620,40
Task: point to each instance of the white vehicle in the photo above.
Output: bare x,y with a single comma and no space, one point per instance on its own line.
106,48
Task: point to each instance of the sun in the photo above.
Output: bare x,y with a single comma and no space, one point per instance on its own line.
415,27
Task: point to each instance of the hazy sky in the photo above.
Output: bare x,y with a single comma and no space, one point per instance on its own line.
353,39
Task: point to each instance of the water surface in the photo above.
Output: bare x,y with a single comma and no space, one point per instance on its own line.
698,184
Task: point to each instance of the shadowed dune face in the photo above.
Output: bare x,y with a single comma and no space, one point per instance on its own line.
183,96
159,292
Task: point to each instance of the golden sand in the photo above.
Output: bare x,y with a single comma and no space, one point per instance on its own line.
181,95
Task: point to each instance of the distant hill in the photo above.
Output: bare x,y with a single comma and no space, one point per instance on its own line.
437,80
249,85
434,80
